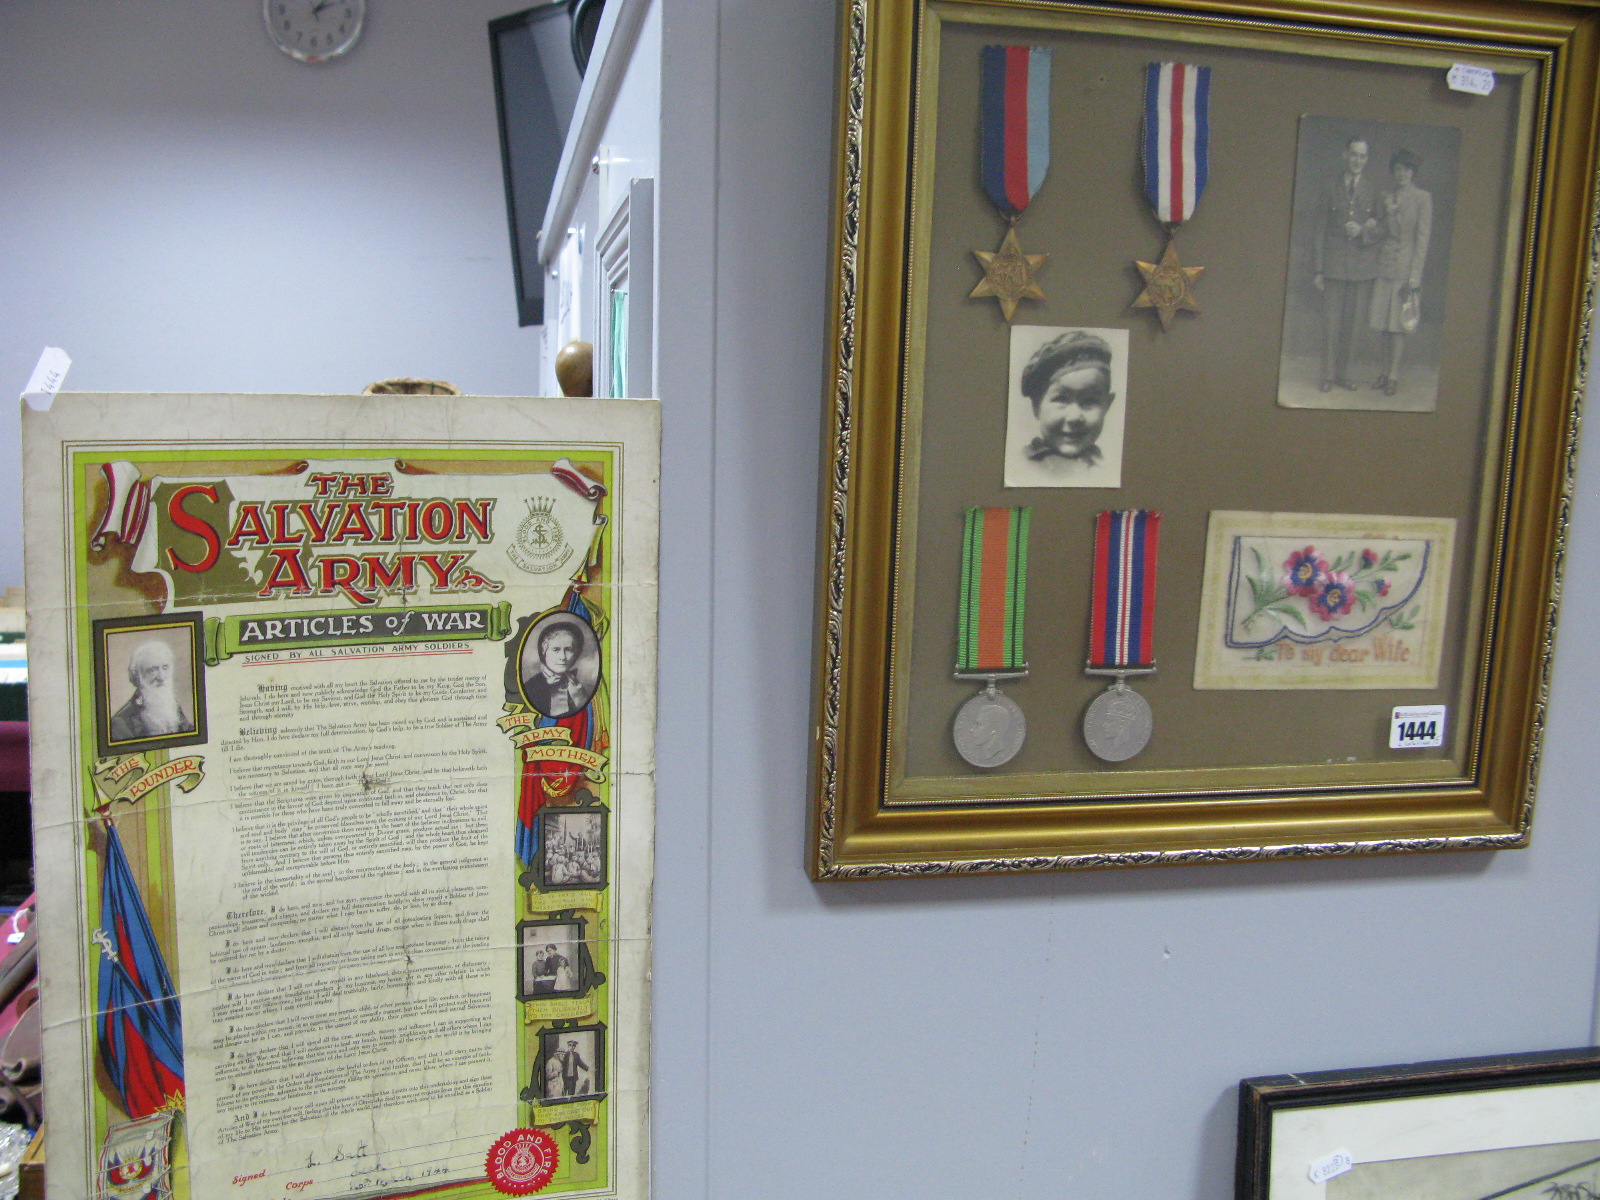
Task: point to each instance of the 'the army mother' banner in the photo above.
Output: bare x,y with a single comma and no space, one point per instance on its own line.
343,826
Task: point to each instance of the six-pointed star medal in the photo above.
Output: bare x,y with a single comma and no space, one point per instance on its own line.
1168,285
1008,274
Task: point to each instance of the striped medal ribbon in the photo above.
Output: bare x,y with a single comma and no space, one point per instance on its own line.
1177,153
1177,138
989,727
1122,615
1015,99
1013,159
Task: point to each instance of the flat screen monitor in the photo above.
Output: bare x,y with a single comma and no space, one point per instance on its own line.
536,88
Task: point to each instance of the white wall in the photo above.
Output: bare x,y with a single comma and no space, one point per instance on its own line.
622,97
184,208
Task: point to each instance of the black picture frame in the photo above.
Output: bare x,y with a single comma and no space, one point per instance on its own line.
549,1046
111,656
583,970
1263,1098
542,876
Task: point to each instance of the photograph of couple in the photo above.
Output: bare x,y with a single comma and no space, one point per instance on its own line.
1374,205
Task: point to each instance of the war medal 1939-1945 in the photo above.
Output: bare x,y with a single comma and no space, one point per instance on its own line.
989,727
1122,614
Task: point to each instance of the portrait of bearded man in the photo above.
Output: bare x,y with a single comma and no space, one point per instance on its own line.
154,709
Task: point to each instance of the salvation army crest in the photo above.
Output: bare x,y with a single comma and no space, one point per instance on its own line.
540,546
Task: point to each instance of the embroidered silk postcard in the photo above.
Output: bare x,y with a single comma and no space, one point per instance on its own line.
1297,600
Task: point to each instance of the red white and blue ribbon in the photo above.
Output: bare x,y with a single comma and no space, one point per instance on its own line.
1177,133
1016,124
1122,613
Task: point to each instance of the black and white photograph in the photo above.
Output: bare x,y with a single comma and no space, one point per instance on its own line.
571,1064
149,687
572,848
559,664
1067,407
552,958
1374,208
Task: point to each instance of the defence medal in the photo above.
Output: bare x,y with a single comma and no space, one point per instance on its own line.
1121,627
1015,153
1177,139
989,727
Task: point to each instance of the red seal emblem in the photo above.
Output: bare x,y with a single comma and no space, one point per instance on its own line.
522,1161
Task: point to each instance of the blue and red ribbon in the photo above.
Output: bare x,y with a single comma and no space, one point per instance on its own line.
1015,104
1122,612
139,1028
1177,138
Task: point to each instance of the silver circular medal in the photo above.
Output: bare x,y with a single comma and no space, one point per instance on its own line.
1118,723
989,729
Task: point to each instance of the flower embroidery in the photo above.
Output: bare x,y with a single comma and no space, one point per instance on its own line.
1335,598
1304,572
1312,586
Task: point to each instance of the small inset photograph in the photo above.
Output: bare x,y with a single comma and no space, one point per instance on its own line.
571,1065
149,683
572,848
559,664
553,958
1067,407
1364,305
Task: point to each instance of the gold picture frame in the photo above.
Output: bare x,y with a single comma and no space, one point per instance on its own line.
916,392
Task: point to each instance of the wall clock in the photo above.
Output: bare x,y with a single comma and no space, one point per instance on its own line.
314,30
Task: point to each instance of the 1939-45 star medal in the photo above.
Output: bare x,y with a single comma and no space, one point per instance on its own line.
1008,274
1122,613
1015,154
989,728
1177,137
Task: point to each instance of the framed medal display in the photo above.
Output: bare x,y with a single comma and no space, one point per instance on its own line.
1345,440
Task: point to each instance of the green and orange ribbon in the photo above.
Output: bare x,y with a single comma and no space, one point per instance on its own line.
994,585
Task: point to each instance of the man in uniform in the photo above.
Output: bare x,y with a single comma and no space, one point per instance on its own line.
1350,226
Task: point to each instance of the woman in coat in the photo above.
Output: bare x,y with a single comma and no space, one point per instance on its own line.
1409,219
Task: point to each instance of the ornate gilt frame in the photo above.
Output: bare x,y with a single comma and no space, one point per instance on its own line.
855,834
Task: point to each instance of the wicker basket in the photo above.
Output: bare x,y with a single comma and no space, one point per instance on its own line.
411,387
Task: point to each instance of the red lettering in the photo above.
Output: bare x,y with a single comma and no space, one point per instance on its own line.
401,575
280,526
432,529
387,509
319,529
476,514
355,524
340,573
441,571
249,525
287,573
193,524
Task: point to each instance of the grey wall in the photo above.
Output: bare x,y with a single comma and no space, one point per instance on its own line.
1053,1036
184,208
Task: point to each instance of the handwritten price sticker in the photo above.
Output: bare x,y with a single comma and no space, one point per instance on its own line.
1336,1163
1464,77
46,379
1416,726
